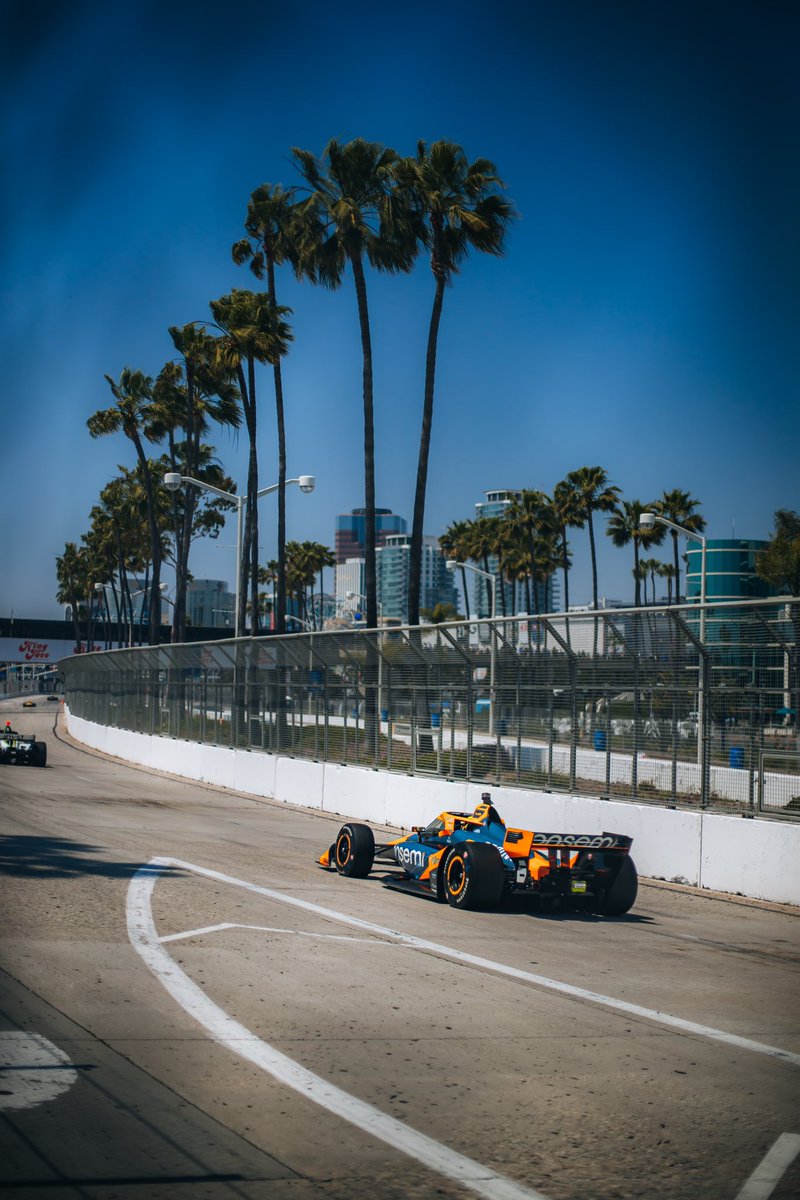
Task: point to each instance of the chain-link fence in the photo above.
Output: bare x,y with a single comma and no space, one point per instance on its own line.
677,706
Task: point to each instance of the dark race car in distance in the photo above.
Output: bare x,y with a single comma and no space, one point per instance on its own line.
473,860
21,748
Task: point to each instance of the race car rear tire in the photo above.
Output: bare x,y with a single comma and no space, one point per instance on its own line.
354,851
39,754
474,876
620,896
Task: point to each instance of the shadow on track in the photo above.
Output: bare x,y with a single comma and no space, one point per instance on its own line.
61,858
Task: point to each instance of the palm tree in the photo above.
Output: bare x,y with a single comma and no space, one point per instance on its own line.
318,557
100,544
453,206
186,396
483,546
667,571
130,413
568,515
593,493
341,223
778,564
454,543
531,515
253,330
624,528
72,583
679,507
123,500
649,568
269,243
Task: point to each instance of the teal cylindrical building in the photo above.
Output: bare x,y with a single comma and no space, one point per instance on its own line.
730,570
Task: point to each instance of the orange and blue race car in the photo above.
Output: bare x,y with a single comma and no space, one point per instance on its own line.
474,860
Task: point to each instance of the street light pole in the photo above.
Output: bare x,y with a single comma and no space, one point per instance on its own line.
138,592
451,565
173,480
304,624
646,521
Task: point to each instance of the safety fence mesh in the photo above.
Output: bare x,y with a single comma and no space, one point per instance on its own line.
685,706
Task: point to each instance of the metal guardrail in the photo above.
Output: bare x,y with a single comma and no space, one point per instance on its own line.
650,704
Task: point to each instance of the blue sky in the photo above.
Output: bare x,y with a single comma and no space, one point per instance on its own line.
645,316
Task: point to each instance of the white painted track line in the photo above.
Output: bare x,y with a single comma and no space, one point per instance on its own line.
555,985
325,937
771,1169
229,1033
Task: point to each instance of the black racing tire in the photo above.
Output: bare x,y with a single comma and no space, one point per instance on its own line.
474,876
40,754
354,851
620,896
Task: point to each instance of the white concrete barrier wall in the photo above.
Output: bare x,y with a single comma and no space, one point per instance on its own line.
749,857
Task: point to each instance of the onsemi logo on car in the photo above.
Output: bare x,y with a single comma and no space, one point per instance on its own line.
582,840
410,858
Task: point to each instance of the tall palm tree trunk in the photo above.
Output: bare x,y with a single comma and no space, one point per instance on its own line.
370,575
533,577
155,545
637,578
243,566
370,572
593,549
252,492
415,552
183,539
565,572
280,586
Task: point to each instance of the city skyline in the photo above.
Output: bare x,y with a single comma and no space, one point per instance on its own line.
643,317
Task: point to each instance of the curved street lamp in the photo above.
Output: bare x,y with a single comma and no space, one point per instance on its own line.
173,480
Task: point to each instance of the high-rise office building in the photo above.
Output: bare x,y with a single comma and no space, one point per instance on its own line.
351,531
349,579
209,603
730,570
349,549
436,583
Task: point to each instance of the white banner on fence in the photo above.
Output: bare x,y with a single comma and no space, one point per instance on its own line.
38,652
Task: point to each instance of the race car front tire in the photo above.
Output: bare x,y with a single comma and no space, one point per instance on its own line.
354,851
474,876
620,896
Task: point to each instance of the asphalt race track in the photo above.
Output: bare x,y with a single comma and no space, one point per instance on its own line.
189,1007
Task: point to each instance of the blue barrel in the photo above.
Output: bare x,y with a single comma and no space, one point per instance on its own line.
436,720
737,756
599,739
384,714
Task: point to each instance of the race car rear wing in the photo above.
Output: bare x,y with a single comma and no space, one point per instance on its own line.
565,841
